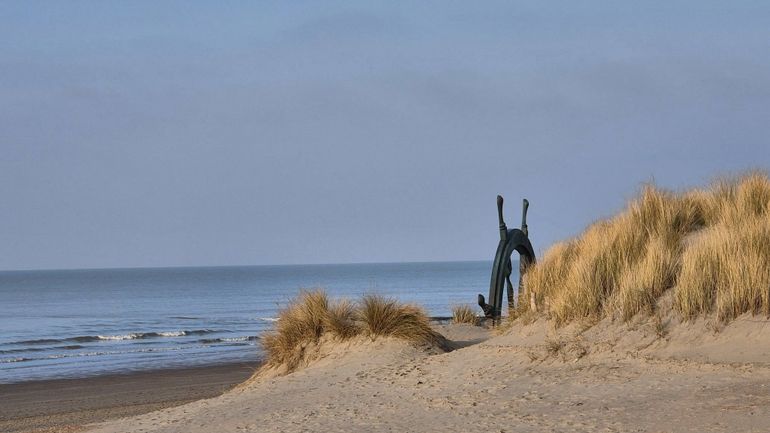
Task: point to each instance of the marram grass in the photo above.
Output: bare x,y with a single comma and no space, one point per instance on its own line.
311,316
464,314
710,246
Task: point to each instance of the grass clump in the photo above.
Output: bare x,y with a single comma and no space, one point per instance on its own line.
312,316
340,319
299,326
711,245
464,314
381,316
727,271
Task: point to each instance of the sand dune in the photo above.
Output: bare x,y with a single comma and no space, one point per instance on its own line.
602,344
640,376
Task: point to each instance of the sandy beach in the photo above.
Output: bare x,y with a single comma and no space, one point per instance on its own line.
610,377
65,405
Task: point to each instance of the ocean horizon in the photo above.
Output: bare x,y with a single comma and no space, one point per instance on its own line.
85,322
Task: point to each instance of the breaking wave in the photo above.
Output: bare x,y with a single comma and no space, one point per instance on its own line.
84,354
130,336
229,339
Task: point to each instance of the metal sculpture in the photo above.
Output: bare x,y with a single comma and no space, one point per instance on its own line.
510,241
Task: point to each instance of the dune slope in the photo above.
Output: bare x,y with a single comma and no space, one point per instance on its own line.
610,377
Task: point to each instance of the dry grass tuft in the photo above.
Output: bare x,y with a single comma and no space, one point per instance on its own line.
711,245
464,314
311,316
299,325
727,271
341,319
387,317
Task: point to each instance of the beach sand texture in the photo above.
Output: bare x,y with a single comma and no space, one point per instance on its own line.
610,377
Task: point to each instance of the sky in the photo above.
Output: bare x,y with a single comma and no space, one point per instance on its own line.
191,133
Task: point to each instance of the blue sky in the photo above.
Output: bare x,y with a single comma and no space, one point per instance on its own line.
226,133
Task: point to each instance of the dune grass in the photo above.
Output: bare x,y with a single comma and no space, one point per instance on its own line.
302,323
464,314
711,246
727,271
381,316
311,316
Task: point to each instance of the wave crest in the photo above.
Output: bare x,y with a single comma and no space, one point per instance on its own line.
130,336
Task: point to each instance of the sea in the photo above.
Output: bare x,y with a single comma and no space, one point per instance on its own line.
78,323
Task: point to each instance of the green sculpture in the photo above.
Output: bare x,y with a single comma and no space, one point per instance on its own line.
510,241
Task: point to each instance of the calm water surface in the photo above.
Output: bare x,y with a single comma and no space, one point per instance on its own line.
84,322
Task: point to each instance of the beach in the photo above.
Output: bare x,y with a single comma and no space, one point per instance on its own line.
68,404
85,346
625,330
596,380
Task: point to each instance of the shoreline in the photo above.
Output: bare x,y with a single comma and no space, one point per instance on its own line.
67,404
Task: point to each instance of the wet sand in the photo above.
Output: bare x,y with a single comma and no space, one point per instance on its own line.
64,405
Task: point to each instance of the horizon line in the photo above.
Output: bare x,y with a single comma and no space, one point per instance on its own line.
232,266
